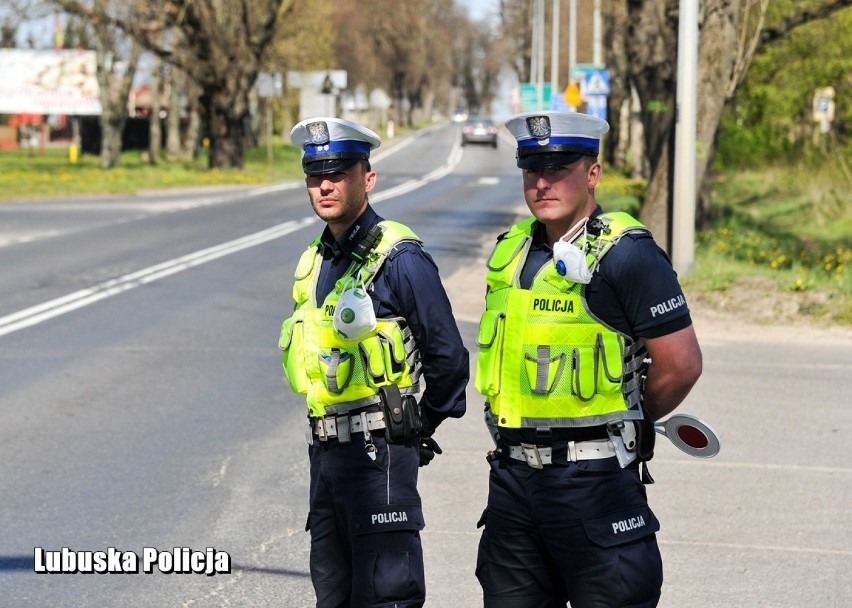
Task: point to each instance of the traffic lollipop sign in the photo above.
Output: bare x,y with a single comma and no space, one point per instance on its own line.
690,434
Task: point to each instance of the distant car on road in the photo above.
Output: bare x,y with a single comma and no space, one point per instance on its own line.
459,115
479,130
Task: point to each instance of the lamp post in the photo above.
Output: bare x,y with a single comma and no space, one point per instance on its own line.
683,220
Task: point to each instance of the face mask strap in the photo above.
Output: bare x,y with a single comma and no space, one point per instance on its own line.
574,233
576,239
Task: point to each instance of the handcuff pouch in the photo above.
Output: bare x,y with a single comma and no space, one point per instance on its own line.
646,438
402,418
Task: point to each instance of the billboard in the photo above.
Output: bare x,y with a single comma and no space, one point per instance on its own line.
48,82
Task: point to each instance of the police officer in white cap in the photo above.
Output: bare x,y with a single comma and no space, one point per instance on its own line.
356,347
585,341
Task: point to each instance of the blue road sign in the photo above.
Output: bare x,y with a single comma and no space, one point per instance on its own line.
596,82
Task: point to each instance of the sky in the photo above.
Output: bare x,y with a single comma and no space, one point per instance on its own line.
479,9
42,28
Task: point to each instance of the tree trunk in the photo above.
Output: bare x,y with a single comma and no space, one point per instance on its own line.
193,129
112,126
718,51
114,92
155,130
639,168
175,86
656,216
227,132
651,36
615,28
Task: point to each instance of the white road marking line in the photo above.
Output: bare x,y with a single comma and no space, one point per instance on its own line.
73,301
59,306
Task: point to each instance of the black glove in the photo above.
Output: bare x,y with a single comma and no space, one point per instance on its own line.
428,448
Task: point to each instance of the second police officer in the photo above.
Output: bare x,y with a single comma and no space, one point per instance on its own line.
585,341
356,347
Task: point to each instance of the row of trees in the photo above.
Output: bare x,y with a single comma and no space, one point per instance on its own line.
640,50
425,52
420,52
641,36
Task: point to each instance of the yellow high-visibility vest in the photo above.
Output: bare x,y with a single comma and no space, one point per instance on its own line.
337,374
544,359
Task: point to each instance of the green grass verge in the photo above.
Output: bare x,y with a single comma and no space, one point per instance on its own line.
780,249
28,175
786,233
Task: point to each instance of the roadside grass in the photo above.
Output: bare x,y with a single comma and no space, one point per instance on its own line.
780,249
28,175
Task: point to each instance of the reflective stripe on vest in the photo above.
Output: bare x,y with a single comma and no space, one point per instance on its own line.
338,374
544,360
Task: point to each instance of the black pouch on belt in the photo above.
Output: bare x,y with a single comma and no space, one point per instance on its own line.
646,438
402,420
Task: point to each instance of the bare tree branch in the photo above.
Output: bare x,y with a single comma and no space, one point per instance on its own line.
787,25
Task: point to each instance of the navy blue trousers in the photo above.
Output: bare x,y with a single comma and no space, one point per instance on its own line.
365,519
581,534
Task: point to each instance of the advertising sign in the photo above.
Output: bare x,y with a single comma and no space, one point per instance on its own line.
49,82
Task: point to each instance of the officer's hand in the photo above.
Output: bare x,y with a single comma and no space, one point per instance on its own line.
428,448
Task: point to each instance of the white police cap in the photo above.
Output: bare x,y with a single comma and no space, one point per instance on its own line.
555,139
332,144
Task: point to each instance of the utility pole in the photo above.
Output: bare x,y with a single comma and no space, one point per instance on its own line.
572,37
683,220
537,54
597,33
540,52
554,50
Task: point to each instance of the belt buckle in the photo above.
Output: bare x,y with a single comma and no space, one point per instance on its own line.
343,434
532,455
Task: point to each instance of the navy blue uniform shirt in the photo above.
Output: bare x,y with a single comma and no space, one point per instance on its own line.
634,289
408,285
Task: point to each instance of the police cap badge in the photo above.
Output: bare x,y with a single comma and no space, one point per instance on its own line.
555,139
332,144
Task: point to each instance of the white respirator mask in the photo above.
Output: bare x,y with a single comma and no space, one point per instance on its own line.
354,316
570,259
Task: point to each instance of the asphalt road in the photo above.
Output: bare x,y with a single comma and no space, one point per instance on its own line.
142,405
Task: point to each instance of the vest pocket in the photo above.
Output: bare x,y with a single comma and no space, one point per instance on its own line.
393,350
544,371
384,359
291,342
585,371
609,354
373,358
338,366
598,370
489,359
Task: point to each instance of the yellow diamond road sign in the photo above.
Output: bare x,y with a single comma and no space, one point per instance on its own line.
572,95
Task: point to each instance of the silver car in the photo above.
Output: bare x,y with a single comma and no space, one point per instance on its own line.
479,130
